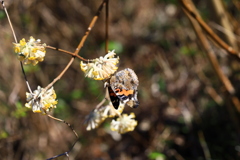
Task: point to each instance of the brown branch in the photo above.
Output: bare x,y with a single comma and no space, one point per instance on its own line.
69,125
9,21
61,74
221,16
79,46
106,26
213,60
190,9
15,38
89,28
204,145
67,52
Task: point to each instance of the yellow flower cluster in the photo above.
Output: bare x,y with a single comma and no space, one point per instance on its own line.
30,52
124,124
98,115
94,119
101,68
41,100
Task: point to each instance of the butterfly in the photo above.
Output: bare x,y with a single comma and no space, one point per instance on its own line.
122,88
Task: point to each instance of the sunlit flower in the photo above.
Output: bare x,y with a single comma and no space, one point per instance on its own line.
98,115
120,107
124,123
30,52
94,119
101,68
41,101
109,111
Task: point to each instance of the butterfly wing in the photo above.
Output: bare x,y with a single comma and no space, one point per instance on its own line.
114,98
123,88
128,97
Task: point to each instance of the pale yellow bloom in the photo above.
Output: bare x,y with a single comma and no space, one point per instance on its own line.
101,68
109,111
94,119
124,123
30,52
98,115
41,101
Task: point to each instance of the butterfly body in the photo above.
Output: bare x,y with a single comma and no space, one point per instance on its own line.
122,88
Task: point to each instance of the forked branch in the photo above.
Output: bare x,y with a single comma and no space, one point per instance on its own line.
190,9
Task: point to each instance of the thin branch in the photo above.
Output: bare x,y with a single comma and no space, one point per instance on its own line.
225,31
204,145
104,100
61,74
190,9
65,153
213,60
224,21
106,26
67,52
89,28
79,46
25,77
69,125
15,39
9,20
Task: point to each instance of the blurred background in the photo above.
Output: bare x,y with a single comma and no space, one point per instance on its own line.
185,111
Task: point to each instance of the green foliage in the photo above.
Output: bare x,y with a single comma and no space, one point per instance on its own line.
25,19
114,45
150,70
3,134
76,94
211,103
2,14
205,14
93,87
21,111
162,84
165,44
188,51
227,2
31,68
157,156
62,110
106,125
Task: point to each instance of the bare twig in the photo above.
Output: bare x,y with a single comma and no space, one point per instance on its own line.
60,120
204,145
213,60
65,153
9,20
104,100
209,89
89,28
224,21
215,96
15,39
60,75
69,125
67,52
106,26
190,9
79,46
225,31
